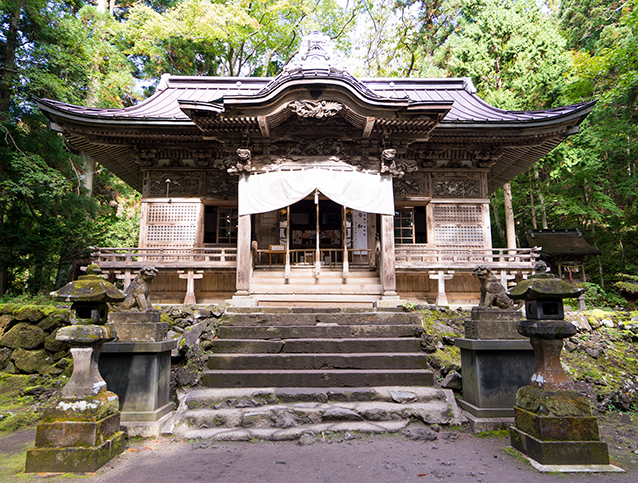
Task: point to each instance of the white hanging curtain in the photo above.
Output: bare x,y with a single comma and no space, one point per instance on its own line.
261,193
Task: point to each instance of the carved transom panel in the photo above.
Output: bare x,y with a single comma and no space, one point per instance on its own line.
182,183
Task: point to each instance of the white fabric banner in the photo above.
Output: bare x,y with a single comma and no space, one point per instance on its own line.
261,193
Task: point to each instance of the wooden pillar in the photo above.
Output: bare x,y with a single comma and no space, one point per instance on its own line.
506,277
388,273
126,276
344,241
244,268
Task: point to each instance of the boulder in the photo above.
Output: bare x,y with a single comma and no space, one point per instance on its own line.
453,381
29,313
5,355
55,320
24,336
5,323
32,362
53,345
191,335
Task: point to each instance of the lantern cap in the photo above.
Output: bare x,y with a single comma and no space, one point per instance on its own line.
543,285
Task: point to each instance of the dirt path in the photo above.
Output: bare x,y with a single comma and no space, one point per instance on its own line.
456,456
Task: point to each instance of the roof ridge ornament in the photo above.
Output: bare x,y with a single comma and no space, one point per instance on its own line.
316,52
316,59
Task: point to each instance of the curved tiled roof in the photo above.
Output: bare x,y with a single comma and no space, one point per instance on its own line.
163,106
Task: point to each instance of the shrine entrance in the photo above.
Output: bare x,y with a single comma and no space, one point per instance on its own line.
317,231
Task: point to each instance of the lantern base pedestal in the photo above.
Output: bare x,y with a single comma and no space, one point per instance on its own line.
570,453
557,428
77,435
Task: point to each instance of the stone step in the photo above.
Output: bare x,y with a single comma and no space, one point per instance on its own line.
308,298
309,331
277,319
310,346
312,310
317,378
378,360
285,413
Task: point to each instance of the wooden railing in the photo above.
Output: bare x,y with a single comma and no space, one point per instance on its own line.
306,256
165,257
424,257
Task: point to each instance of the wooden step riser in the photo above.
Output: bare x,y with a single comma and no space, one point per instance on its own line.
316,361
315,346
271,289
323,332
320,378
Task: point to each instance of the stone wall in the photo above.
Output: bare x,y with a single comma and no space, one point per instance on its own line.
27,340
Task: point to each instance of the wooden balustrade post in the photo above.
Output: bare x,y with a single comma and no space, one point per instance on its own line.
441,276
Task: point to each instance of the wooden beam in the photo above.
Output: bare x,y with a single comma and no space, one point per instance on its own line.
367,129
263,126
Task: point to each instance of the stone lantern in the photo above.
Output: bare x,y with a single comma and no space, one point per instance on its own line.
554,425
80,432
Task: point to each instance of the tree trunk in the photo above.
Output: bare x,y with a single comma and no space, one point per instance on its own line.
497,220
8,62
531,201
542,200
509,216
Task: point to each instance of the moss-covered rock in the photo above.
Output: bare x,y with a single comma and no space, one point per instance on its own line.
5,355
32,313
5,323
24,336
53,345
32,362
54,320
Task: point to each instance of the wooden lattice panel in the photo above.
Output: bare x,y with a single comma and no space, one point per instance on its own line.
160,213
462,214
445,234
171,233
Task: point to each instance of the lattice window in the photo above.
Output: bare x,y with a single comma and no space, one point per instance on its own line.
173,213
172,224
445,234
171,233
458,214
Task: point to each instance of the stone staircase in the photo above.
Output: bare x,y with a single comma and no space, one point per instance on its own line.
361,288
278,373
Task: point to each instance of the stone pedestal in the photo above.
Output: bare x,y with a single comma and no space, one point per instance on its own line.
557,432
138,326
496,361
77,435
139,373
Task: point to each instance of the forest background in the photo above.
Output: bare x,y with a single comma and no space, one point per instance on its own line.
520,54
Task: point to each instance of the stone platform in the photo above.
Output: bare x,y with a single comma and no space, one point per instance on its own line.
278,414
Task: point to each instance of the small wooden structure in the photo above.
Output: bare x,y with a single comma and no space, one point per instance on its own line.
564,251
373,187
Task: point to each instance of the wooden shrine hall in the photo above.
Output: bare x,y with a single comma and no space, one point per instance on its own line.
314,187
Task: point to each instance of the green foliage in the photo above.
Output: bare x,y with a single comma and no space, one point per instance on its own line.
597,297
512,50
